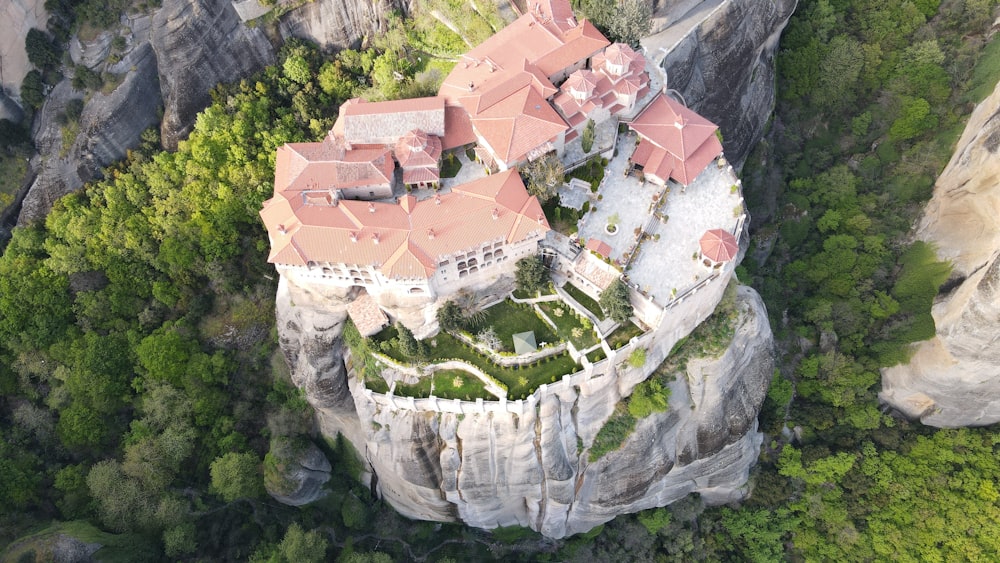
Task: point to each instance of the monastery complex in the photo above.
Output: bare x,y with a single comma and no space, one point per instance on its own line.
367,207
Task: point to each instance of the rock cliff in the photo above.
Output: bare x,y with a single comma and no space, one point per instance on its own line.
954,378
336,24
719,54
198,45
531,468
174,58
109,126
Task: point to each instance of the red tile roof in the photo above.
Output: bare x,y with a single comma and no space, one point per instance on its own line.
418,149
688,137
508,75
517,124
366,314
600,247
328,166
458,128
405,240
719,246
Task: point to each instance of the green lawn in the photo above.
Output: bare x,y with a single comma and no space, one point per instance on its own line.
584,299
597,355
547,290
622,335
519,381
986,72
448,384
566,322
508,318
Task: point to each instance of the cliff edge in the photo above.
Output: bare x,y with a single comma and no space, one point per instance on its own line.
954,378
528,463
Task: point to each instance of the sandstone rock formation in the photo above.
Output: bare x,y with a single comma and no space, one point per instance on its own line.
109,126
531,468
198,45
304,477
954,378
175,57
336,24
719,54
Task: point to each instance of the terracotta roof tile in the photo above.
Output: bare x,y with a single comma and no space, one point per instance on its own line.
403,240
600,247
328,166
366,315
719,246
687,136
458,128
418,149
518,124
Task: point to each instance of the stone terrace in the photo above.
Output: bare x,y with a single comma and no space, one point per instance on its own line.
665,264
708,203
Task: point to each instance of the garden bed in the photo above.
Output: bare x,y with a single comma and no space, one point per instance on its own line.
584,300
621,335
520,381
509,318
447,384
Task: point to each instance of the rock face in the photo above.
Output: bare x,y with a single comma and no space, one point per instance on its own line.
527,463
336,24
954,378
198,45
719,54
174,58
109,126
307,473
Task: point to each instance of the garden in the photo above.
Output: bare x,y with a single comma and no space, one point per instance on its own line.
447,384
584,300
569,326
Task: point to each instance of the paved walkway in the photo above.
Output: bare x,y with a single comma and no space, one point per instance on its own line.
624,198
658,45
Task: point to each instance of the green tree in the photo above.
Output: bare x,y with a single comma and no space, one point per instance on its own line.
615,302
41,50
296,69
544,175
624,21
299,546
587,137
450,316
122,502
531,274
237,475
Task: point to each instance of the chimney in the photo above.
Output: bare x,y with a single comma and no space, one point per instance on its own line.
496,213
430,234
354,236
472,86
371,207
282,229
541,219
375,238
437,200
